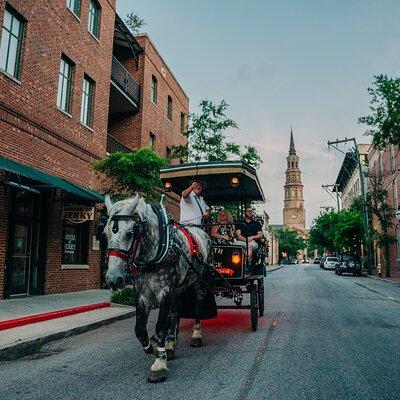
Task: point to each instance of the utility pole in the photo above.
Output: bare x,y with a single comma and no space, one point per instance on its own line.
326,187
356,158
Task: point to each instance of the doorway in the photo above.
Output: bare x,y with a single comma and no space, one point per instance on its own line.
26,252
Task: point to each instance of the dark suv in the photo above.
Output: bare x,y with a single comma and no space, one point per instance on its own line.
349,263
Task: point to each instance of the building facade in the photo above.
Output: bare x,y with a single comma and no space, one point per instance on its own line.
384,168
66,87
294,214
348,181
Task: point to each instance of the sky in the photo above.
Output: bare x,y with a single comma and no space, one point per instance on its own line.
280,63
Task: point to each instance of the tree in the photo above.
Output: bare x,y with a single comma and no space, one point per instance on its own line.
138,171
384,120
290,241
378,205
207,139
338,231
134,22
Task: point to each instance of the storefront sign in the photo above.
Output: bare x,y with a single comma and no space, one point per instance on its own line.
78,214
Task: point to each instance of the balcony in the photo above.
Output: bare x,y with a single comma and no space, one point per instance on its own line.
124,90
114,145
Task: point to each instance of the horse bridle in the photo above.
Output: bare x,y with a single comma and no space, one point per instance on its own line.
126,255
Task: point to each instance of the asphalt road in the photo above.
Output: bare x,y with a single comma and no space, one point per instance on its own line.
323,337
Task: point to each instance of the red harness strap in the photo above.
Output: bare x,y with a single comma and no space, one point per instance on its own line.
193,245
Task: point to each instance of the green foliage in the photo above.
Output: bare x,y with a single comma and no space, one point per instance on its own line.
290,241
125,296
138,171
337,231
384,121
207,138
134,22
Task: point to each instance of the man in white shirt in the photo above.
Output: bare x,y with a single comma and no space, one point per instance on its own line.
193,207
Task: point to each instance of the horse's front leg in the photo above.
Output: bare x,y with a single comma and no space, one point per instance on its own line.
142,315
159,370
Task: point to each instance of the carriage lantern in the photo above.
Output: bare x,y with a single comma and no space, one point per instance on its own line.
234,181
168,186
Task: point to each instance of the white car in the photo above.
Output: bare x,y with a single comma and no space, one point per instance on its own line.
330,262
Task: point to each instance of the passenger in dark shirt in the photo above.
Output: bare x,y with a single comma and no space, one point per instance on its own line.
248,232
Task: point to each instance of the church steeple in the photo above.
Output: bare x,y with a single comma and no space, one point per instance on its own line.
292,149
293,212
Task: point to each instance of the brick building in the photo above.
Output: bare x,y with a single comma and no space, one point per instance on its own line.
70,72
385,166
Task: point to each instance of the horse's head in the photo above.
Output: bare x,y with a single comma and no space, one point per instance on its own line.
124,227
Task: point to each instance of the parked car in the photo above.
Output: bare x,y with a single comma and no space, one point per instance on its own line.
349,263
316,260
321,263
305,260
330,262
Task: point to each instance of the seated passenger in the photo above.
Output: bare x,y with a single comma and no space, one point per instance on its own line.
223,232
248,232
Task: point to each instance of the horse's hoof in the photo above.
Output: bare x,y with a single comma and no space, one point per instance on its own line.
170,354
170,349
196,342
152,348
157,376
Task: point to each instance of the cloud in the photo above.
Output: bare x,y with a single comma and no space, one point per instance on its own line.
254,73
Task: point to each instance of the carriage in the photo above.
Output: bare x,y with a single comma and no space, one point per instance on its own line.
234,183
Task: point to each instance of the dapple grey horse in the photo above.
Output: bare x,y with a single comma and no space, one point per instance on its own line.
133,223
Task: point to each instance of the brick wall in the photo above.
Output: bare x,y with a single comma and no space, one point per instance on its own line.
35,132
134,130
387,162
51,30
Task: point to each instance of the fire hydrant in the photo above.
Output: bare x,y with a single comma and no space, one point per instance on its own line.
379,268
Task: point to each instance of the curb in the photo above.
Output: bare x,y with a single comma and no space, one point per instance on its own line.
272,270
383,279
20,350
47,316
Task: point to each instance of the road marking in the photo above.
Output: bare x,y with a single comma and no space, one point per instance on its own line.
253,371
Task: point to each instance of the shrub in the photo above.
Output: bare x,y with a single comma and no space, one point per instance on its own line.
125,296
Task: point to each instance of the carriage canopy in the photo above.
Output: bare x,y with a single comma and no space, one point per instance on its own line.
226,181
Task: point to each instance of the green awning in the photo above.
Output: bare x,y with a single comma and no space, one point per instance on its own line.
51,180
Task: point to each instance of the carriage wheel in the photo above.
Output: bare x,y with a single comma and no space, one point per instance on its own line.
253,307
261,297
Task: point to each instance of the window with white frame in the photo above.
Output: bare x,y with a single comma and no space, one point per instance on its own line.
94,18
169,108
11,43
64,93
87,101
398,242
154,87
152,140
74,6
392,157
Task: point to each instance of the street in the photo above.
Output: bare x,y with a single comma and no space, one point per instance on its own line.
323,337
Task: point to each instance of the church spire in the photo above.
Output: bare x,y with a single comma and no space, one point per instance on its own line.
292,149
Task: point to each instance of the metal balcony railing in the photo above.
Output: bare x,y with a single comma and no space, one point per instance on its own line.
125,81
114,145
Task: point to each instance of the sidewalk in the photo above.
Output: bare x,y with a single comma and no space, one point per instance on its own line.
49,310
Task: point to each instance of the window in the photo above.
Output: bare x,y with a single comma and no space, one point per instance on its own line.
94,18
65,84
11,43
392,157
398,243
152,141
169,109
74,6
183,127
395,195
154,89
168,152
75,243
87,101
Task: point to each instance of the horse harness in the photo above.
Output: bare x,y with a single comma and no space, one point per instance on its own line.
167,250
